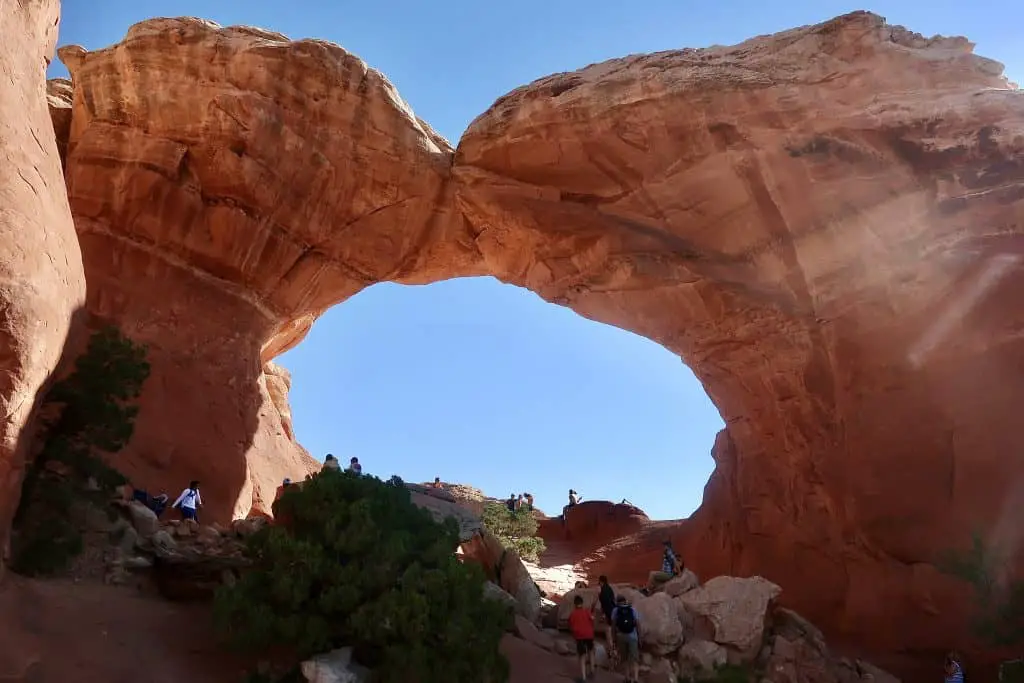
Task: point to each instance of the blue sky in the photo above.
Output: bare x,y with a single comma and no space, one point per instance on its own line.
484,383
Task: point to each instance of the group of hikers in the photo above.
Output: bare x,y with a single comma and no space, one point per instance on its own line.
524,501
623,633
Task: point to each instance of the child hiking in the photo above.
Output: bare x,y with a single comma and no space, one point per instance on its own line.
581,623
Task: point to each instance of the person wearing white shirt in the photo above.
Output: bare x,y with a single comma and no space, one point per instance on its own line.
189,501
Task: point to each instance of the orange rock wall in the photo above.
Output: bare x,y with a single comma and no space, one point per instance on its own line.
41,281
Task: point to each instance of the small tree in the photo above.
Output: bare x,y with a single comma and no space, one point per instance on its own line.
516,530
999,611
93,414
358,564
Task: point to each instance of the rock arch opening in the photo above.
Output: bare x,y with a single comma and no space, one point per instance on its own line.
485,384
786,215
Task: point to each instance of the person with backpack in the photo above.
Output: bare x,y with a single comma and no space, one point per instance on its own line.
581,623
627,637
189,502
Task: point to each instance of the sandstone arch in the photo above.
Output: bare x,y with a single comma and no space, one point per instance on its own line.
826,224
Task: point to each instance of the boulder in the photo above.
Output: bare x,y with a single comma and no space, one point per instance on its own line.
243,528
678,585
526,630
661,671
506,568
335,666
493,591
143,519
700,658
660,628
737,609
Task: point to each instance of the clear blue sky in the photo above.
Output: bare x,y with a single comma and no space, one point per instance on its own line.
483,383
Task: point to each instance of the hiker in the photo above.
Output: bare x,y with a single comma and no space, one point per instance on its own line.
574,498
511,503
281,489
437,483
529,500
331,463
627,637
189,501
354,466
581,623
155,503
954,669
606,601
669,568
519,502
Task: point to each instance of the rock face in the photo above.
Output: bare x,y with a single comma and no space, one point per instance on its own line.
825,224
41,279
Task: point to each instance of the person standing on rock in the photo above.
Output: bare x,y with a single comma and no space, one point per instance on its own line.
189,502
581,623
529,501
627,637
354,466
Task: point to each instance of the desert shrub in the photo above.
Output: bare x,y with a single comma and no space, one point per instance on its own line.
92,413
516,530
358,564
999,600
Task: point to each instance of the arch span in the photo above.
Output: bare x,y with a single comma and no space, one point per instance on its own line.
825,224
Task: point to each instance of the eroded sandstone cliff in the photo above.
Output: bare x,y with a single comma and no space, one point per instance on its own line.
41,281
826,224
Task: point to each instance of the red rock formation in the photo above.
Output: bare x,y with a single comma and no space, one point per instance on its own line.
825,224
592,524
41,281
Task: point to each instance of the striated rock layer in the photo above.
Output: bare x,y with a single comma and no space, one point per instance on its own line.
41,280
826,225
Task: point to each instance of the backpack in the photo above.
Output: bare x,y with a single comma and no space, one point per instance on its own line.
625,620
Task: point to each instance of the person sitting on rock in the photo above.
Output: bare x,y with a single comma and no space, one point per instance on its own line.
331,463
281,489
627,637
354,466
581,624
189,502
669,568
574,498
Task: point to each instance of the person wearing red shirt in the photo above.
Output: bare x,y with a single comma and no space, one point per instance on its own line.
581,624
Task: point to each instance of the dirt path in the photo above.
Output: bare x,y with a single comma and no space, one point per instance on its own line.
61,631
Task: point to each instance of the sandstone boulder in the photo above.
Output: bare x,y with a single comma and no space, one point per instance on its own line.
680,584
700,658
661,631
335,666
529,632
505,568
493,591
143,519
736,608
